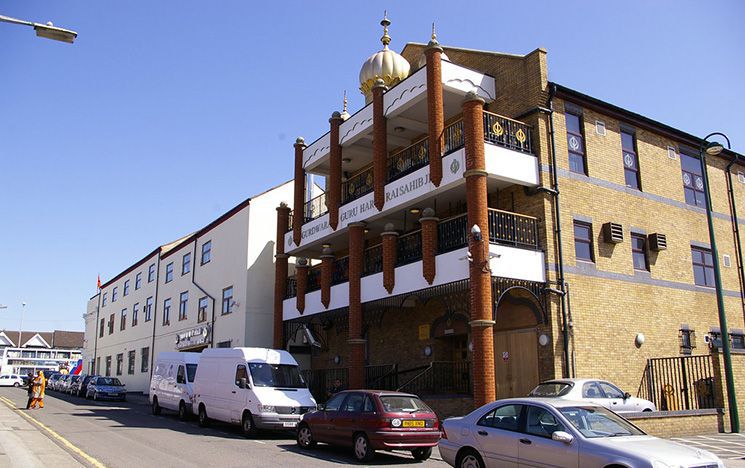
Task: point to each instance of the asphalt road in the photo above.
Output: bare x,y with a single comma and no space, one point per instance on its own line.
127,435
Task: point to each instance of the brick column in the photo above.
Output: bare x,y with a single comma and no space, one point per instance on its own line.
380,144
429,243
435,112
355,340
280,275
298,217
482,322
390,253
327,272
333,198
301,283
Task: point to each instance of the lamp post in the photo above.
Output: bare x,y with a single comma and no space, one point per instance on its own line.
20,329
48,31
713,148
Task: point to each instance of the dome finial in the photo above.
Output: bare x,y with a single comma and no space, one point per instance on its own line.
386,39
434,34
345,101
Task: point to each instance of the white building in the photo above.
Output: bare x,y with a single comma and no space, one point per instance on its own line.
30,351
211,288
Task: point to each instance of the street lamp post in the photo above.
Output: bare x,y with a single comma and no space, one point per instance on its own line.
713,148
20,330
48,31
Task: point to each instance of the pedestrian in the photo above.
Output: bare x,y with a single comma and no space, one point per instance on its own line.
40,385
336,388
30,391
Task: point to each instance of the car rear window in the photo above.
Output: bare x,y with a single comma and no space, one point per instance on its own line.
191,371
108,381
551,389
404,404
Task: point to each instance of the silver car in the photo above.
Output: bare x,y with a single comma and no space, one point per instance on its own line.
560,433
596,391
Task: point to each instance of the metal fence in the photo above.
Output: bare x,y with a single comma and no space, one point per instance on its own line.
440,378
679,383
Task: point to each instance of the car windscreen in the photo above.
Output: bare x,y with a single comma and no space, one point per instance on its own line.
108,381
276,375
595,422
404,404
551,389
191,371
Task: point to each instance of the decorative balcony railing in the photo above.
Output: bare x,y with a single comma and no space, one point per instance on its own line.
506,132
452,137
373,260
341,271
314,278
512,228
289,224
409,248
315,208
357,186
407,160
452,233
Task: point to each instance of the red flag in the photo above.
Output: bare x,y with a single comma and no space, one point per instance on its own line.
99,282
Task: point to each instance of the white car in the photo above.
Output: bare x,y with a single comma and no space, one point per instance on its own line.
172,384
600,392
557,432
11,380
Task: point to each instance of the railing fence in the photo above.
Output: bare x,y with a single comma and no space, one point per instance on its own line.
679,383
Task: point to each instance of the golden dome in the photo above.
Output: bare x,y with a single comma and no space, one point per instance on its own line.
386,65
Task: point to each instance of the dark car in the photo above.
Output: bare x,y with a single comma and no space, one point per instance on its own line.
106,388
370,420
75,382
82,385
71,383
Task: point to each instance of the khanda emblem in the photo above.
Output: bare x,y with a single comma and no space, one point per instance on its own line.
497,129
520,135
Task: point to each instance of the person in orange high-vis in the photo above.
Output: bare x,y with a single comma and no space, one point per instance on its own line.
40,385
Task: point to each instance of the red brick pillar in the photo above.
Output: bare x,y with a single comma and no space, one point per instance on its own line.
390,254
482,322
301,283
435,112
355,340
327,272
380,144
298,216
333,197
429,243
280,275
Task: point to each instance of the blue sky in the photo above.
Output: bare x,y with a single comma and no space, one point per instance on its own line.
163,115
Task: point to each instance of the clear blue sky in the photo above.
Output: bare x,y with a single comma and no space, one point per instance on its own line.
163,115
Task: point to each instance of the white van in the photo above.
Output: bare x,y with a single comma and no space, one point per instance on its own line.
172,384
258,388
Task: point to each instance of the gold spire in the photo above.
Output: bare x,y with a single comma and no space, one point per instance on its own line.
434,34
345,101
386,39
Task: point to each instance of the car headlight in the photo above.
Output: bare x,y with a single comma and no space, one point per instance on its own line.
396,422
266,408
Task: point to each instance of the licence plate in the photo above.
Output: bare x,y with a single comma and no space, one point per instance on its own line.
412,423
289,424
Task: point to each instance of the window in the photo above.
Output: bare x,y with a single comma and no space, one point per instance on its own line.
355,403
123,321
541,423
169,272
101,328
240,373
103,302
119,362
703,267
687,340
505,417
186,264
738,339
610,391
112,317
144,359
206,252
630,159
131,363
693,180
227,300
138,281
114,293
576,141
126,288
167,312
224,344
202,313
148,309
639,251
583,241
135,311
108,366
335,402
182,305
591,390
151,273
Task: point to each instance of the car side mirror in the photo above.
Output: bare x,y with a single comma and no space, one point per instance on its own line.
561,436
321,407
244,383
626,396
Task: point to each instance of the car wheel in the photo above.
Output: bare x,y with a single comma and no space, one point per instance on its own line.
16,385
362,450
469,459
305,437
155,407
422,453
203,420
248,426
182,415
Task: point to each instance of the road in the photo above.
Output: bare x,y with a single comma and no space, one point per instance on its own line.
127,435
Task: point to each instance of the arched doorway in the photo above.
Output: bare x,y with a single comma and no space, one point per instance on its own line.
517,314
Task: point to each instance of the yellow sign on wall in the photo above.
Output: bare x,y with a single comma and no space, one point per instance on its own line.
423,332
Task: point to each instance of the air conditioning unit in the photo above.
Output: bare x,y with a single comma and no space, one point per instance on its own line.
613,233
657,242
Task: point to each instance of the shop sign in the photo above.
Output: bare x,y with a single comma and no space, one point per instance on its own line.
197,336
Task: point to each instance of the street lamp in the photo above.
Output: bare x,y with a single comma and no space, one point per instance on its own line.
713,148
23,309
48,30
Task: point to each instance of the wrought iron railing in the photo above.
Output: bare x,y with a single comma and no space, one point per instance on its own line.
314,278
407,160
441,378
452,137
382,377
512,228
341,271
679,383
357,186
372,260
409,248
315,208
291,287
289,224
506,132
452,233
320,381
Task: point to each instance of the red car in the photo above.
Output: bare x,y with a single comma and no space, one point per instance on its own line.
370,420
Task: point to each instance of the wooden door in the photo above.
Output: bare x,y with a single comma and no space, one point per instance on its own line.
515,362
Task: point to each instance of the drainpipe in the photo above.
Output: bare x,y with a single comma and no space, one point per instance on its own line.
194,282
736,223
155,314
97,331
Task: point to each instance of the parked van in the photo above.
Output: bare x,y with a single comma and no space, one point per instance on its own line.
258,388
172,384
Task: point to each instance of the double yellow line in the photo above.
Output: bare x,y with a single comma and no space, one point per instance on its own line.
69,445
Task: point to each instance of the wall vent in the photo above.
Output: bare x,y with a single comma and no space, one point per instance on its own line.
600,127
657,242
726,260
613,233
671,153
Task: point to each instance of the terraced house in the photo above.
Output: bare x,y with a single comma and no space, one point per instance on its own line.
484,228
